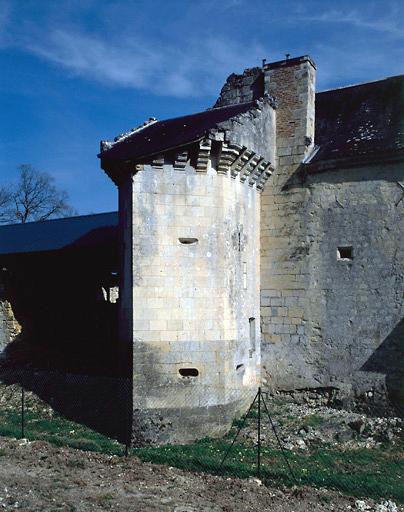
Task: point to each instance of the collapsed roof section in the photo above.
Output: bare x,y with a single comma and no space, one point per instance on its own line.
197,138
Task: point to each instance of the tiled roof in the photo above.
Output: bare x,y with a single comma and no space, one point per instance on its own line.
361,120
161,136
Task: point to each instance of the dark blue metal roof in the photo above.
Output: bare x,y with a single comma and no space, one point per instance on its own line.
52,235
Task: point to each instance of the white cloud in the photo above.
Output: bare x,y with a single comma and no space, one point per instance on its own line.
391,24
193,68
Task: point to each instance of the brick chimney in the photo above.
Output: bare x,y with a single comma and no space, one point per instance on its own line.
292,83
284,280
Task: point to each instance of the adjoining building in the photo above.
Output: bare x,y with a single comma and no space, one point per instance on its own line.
259,242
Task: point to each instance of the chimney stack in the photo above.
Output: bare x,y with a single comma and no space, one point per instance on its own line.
292,83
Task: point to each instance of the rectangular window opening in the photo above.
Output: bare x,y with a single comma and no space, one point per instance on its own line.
345,253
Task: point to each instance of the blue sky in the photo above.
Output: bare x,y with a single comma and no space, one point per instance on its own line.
74,72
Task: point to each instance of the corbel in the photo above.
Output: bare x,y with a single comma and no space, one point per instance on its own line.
203,157
181,161
228,154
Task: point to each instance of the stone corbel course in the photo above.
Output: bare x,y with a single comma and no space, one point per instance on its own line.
233,161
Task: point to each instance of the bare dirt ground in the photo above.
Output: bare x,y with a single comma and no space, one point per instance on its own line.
37,477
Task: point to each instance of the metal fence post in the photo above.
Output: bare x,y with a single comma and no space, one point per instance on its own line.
238,432
259,434
22,412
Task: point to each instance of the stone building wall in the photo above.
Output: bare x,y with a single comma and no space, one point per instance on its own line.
356,305
284,273
329,322
9,326
241,88
195,293
349,334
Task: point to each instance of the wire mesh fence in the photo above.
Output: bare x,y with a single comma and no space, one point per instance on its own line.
79,411
255,437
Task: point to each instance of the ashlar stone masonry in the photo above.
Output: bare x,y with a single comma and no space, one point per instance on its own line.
261,244
192,249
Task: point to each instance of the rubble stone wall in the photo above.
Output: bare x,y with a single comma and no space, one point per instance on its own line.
338,322
9,326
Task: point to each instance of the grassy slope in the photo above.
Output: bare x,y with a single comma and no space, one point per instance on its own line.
376,473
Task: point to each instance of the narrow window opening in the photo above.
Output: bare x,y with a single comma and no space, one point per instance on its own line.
189,372
239,367
345,253
252,335
188,241
245,275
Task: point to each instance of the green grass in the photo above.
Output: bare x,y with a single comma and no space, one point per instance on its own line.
371,473
56,429
377,473
313,420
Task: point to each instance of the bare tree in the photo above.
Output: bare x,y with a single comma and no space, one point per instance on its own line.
5,203
33,197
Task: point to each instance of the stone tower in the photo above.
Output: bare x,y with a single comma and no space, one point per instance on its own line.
189,192
283,268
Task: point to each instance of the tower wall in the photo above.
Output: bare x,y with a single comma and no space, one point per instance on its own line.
195,256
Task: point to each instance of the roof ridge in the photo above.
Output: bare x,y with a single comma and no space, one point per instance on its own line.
360,84
58,219
119,138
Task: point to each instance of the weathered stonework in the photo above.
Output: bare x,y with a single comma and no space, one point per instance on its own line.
193,234
241,88
261,243
283,238
190,312
9,326
348,322
327,322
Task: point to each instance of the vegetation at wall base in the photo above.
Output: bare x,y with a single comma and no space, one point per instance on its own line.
58,431
376,472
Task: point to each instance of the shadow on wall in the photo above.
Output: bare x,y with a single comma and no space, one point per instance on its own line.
388,359
67,352
97,399
100,403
